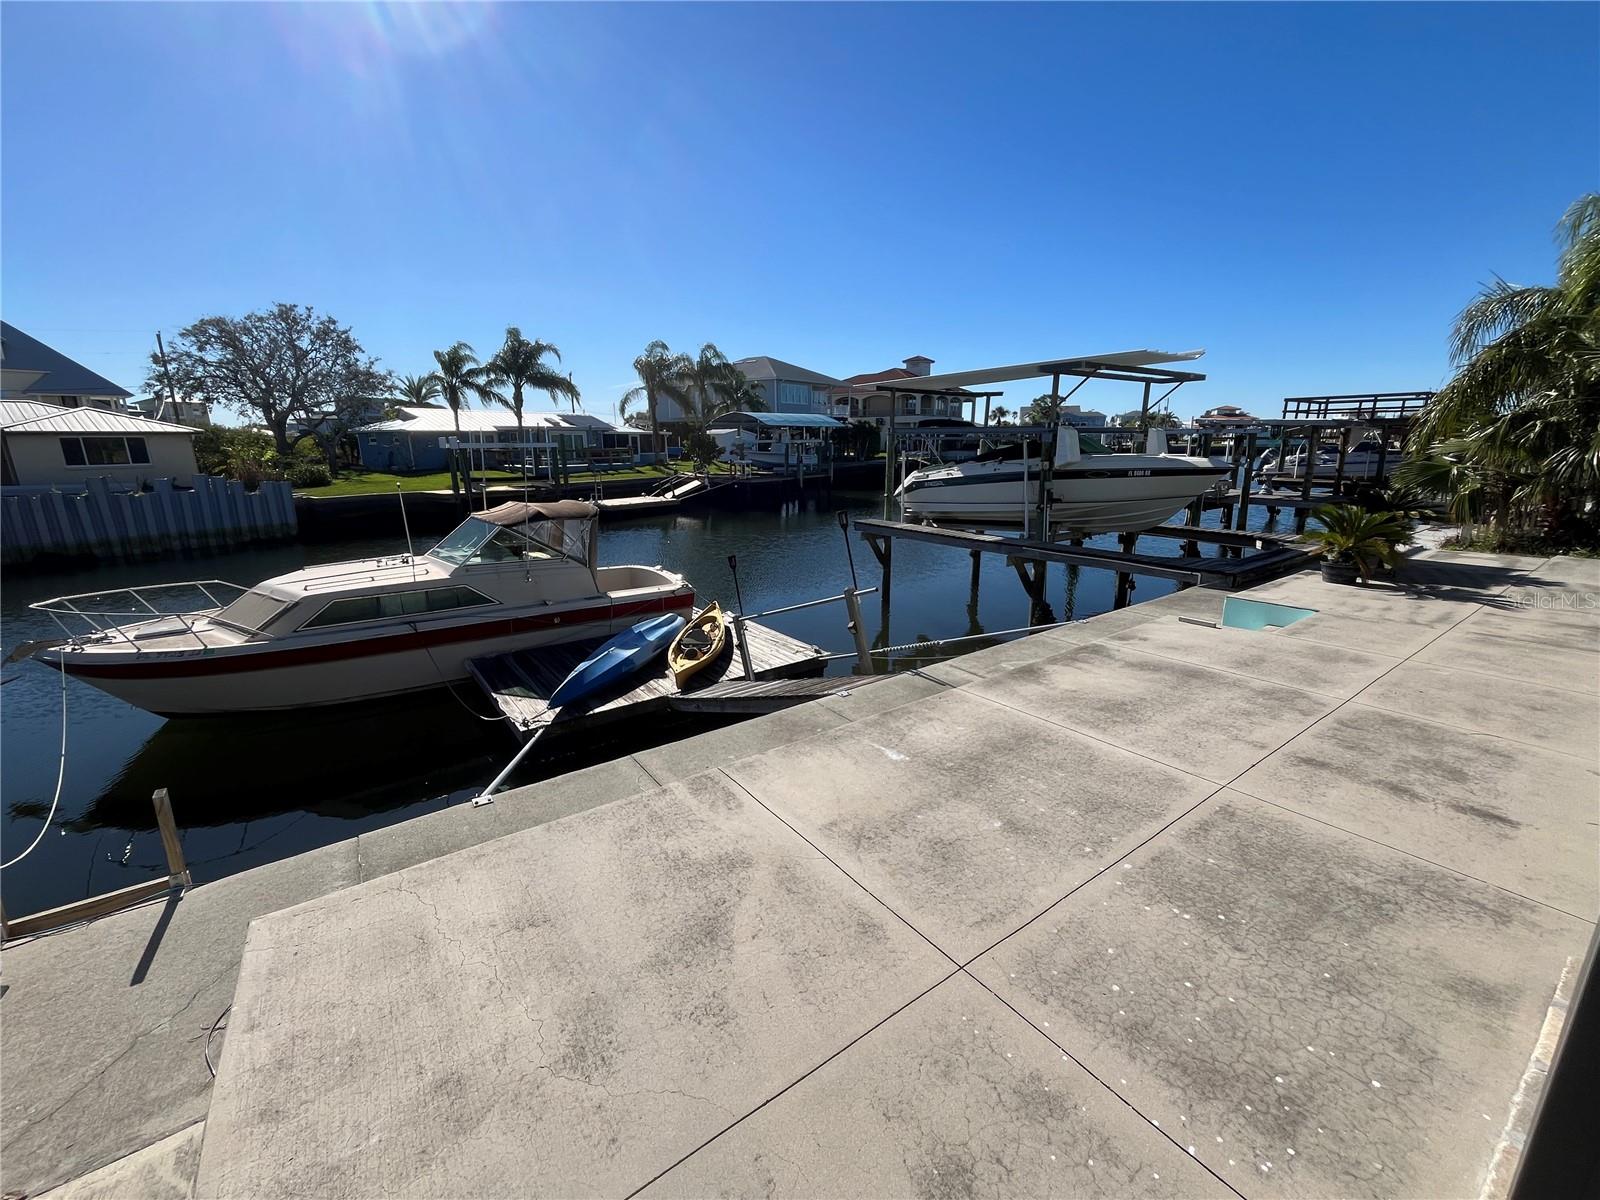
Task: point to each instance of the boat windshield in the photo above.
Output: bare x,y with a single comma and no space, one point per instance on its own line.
479,541
1014,450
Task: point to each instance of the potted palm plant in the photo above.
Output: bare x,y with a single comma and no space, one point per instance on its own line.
1355,541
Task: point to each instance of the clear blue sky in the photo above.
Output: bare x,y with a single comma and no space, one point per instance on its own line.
1308,192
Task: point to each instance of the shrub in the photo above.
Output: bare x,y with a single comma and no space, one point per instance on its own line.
1352,534
303,473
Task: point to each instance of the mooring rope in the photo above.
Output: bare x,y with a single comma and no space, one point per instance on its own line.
61,774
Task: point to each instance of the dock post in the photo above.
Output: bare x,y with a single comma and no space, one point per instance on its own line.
1338,474
5,925
177,870
1244,485
977,566
744,648
1313,443
852,604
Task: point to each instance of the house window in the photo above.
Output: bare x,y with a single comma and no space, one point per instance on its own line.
104,451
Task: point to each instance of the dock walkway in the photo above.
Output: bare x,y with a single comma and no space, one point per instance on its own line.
1132,907
521,683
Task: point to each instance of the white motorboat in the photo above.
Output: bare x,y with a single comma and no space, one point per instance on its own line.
1091,489
1364,460
516,576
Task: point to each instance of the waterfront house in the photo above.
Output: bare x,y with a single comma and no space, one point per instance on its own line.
51,445
412,439
1227,418
194,413
1082,418
871,397
30,370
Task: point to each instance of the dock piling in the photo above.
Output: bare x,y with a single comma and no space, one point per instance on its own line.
177,869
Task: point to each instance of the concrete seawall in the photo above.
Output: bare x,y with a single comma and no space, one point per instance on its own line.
1131,907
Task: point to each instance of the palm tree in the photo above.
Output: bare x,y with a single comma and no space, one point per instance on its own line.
419,391
460,377
716,387
1519,423
1045,410
1000,414
520,364
1354,535
661,374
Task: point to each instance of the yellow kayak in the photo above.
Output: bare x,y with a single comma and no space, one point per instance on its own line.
698,643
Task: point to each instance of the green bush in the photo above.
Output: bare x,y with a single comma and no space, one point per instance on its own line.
304,473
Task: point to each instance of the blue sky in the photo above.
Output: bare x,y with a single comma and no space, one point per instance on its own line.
1308,192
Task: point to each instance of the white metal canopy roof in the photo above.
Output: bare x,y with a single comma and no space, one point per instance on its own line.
1123,364
32,416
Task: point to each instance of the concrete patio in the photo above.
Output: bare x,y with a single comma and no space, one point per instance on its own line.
1137,906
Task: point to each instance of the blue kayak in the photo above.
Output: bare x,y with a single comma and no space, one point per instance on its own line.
617,659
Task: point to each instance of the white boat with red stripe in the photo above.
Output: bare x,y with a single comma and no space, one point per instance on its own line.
517,576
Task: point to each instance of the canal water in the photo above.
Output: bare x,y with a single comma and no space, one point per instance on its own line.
250,790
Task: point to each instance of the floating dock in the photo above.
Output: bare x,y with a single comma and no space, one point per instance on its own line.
520,683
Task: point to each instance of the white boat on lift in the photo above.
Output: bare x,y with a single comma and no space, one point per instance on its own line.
775,440
1364,460
1091,491
516,576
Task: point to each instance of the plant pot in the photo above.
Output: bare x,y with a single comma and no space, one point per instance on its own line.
1335,571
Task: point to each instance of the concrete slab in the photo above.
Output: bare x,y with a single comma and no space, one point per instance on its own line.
1206,722
962,842
954,1096
992,660
1205,603
1552,626
1515,816
1315,1014
1510,708
679,760
105,1025
396,847
1585,571
164,1171
580,1006
1261,655
880,695
1370,635
1376,601
1537,661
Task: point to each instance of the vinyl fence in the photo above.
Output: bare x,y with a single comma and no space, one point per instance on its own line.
98,522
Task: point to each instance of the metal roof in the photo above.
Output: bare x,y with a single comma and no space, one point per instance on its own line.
762,366
786,420
61,376
32,416
1134,365
477,420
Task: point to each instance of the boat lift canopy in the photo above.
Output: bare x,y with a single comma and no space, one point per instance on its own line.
1131,366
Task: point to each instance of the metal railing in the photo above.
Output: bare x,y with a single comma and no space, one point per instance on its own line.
1373,406
115,623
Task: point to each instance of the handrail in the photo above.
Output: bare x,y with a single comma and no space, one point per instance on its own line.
772,612
116,623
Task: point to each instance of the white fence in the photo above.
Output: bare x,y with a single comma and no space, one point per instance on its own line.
215,514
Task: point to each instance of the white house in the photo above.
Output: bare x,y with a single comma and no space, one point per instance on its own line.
410,440
48,445
30,370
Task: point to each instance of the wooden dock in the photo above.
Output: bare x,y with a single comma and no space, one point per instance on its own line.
521,682
1270,554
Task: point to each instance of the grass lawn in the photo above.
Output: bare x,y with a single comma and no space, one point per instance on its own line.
357,482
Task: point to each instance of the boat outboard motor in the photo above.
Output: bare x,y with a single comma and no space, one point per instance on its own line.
1067,448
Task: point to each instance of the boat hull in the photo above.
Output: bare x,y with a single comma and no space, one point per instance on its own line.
282,675
1094,499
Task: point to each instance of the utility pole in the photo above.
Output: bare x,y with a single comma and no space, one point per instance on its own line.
166,374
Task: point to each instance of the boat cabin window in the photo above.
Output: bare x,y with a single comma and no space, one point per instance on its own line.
396,604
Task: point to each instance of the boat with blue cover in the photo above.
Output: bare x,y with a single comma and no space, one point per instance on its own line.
618,659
